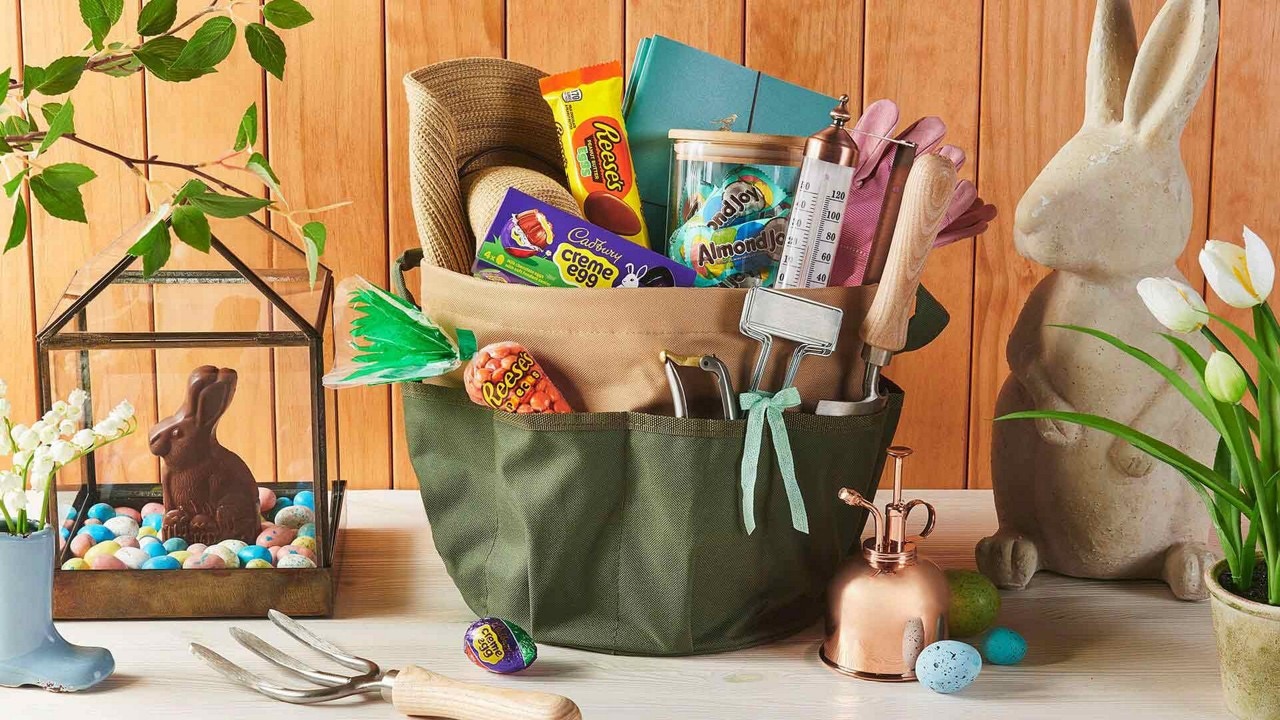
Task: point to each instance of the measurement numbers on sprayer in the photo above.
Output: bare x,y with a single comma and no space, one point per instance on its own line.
813,231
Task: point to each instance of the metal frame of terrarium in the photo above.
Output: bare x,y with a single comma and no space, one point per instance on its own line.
126,594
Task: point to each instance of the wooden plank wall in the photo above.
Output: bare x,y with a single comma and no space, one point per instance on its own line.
1006,75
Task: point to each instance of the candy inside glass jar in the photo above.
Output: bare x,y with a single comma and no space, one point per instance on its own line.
730,196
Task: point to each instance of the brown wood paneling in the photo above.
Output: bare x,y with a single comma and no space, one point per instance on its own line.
714,27
17,302
928,63
565,35
328,143
419,34
815,43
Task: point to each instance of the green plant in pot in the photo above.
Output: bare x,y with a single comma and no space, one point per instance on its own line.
31,650
1240,485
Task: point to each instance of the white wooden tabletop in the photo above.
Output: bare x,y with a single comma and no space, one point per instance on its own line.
1097,650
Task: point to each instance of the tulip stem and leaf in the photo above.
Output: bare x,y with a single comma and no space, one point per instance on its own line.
32,122
38,451
1241,488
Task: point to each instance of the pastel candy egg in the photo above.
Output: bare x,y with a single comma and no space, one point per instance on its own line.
257,564
294,550
107,562
98,533
266,499
974,603
276,536
294,562
75,564
282,502
71,513
197,548
234,546
180,555
80,545
145,531
308,530
133,557
174,544
130,513
295,516
128,542
249,553
152,508
154,550
948,666
1003,646
275,552
306,543
122,526
65,533
499,645
91,521
102,512
153,520
208,561
305,498
110,547
164,562
229,558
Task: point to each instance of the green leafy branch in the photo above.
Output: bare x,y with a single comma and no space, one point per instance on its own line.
182,211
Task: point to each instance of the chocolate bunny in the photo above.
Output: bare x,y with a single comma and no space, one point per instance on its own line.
210,494
1113,206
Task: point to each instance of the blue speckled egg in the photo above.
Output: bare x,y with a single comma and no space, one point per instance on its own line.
163,562
154,549
99,533
174,545
253,552
102,511
153,521
308,530
1003,646
65,533
71,513
948,666
305,498
281,502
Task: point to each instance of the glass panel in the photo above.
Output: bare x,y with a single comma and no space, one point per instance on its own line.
284,269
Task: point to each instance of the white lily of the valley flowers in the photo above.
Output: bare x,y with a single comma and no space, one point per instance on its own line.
62,452
67,428
46,431
1241,276
108,428
14,502
21,458
4,389
84,439
1224,378
5,407
6,444
9,481
123,412
25,438
77,398
1175,304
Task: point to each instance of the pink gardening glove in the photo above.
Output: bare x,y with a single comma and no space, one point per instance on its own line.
967,215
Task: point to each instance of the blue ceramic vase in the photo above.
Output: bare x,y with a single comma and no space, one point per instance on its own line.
31,650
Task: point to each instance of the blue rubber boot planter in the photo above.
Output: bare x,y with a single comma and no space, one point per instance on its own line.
31,650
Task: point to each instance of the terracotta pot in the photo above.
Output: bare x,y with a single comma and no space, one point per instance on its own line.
1248,635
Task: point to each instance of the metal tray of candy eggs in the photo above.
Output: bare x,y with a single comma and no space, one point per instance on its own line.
295,576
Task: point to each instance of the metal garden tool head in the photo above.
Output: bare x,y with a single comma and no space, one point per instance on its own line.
413,690
769,314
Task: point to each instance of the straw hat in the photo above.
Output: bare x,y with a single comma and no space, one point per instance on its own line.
476,127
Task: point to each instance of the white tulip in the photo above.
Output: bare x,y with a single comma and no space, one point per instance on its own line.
1241,276
1175,304
1224,378
84,439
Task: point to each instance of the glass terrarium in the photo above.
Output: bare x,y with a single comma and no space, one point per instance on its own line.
221,355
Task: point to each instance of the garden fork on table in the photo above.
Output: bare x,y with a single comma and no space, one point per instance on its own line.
413,690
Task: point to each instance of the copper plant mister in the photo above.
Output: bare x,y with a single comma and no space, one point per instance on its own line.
886,605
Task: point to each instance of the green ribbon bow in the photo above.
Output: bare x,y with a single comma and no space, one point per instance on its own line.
761,406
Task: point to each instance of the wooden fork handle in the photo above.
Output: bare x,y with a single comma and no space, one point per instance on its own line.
421,693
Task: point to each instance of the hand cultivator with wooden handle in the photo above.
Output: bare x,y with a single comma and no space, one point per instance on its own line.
414,691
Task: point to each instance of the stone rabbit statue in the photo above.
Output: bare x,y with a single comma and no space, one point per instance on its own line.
210,494
1113,206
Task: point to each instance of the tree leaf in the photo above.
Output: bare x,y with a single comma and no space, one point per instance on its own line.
189,188
18,228
266,48
158,54
192,227
247,133
208,46
227,206
100,16
60,202
11,187
67,175
62,122
4,79
286,14
15,125
257,164
59,77
153,247
314,235
157,16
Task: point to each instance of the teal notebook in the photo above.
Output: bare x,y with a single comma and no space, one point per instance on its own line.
675,86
